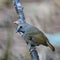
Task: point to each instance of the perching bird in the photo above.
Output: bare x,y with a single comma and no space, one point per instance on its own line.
34,36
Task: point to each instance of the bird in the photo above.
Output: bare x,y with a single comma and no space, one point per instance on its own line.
33,35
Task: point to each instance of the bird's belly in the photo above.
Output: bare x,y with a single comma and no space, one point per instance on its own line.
38,37
32,42
35,42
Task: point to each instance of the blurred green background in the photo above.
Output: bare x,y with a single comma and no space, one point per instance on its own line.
44,14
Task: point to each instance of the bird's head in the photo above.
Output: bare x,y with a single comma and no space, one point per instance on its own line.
22,27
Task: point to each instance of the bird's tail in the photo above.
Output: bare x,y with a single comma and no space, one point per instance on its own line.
51,46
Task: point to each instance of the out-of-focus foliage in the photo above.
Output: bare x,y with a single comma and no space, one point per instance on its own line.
7,2
57,2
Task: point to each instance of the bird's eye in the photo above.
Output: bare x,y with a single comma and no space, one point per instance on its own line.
20,26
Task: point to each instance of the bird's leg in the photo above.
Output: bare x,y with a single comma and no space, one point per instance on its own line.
33,52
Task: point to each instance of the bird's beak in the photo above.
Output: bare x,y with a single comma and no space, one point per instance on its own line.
16,22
